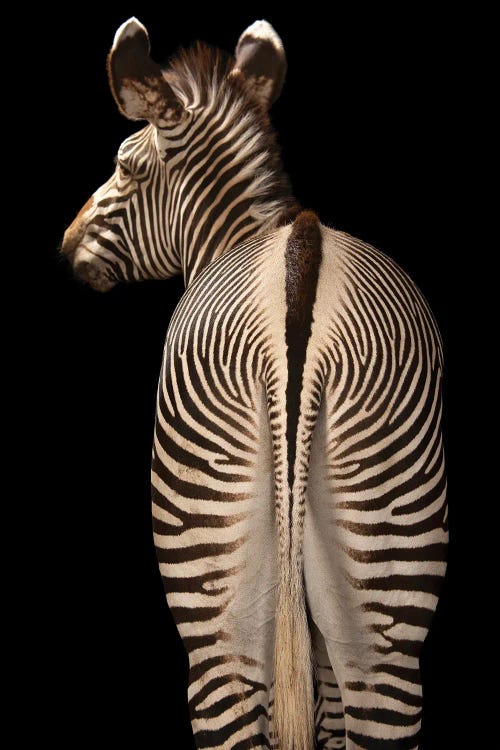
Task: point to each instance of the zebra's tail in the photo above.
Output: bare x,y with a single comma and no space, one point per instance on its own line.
293,662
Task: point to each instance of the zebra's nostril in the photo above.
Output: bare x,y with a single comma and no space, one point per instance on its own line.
83,269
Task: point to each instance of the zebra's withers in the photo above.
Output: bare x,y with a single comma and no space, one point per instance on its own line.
336,348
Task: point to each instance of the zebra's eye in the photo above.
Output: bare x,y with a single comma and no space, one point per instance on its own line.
124,170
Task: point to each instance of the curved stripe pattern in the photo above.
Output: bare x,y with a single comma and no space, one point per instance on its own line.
376,523
375,519
213,502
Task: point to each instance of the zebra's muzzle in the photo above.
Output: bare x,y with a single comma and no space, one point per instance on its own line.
90,268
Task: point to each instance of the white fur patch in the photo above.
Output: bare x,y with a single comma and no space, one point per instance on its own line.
129,29
264,30
95,273
133,104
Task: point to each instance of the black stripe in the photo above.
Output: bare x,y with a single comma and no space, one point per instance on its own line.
384,716
374,743
302,262
210,738
430,584
176,555
195,614
258,741
237,679
430,552
389,690
408,674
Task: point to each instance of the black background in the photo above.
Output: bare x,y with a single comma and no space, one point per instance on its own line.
365,123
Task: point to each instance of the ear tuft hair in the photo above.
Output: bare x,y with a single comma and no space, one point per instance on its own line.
132,27
264,31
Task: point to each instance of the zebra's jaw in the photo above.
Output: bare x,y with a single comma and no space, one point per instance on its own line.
89,268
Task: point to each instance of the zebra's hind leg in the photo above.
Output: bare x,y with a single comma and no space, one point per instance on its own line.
228,697
216,544
383,706
329,714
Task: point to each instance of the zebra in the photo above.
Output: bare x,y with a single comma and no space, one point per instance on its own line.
298,481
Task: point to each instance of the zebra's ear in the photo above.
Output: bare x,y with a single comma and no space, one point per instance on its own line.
260,58
136,81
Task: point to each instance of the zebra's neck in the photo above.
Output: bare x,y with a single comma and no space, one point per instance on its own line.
225,180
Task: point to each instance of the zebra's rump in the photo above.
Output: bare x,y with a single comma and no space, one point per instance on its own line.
374,489
375,532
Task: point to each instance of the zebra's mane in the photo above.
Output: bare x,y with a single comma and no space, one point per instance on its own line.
203,78
201,74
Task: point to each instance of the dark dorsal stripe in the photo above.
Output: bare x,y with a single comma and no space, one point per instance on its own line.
302,262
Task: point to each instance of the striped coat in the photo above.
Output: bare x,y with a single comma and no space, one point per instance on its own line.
312,435
298,472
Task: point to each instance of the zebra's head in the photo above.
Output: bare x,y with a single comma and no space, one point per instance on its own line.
204,173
